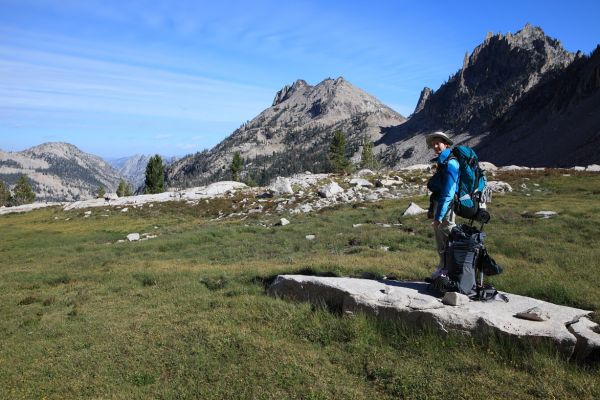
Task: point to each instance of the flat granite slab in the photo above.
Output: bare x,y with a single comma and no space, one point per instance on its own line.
568,327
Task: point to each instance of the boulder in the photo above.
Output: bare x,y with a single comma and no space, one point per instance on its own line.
281,186
330,190
577,168
588,339
411,303
413,209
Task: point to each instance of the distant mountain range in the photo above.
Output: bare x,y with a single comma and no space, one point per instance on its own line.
59,172
518,99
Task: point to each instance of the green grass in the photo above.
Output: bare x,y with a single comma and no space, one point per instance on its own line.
185,315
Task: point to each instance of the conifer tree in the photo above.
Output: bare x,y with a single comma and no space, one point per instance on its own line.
155,175
5,197
368,159
22,192
236,166
101,192
338,161
122,188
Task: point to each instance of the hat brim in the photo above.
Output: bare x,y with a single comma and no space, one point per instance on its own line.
440,136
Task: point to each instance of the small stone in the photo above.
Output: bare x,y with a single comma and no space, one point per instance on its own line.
133,237
310,237
356,225
455,299
88,213
533,314
545,214
125,209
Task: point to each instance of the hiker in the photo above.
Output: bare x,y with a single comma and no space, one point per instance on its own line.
443,187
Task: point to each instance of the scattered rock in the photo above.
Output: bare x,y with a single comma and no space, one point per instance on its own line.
133,237
533,314
487,166
125,209
310,237
500,187
413,209
356,225
111,196
283,222
364,172
593,168
87,213
360,182
417,167
455,299
387,182
305,208
578,168
512,168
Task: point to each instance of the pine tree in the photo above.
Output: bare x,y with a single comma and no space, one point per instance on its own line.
22,192
236,166
338,161
5,197
155,175
101,192
128,190
368,159
122,188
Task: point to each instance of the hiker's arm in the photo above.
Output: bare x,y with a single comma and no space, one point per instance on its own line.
448,190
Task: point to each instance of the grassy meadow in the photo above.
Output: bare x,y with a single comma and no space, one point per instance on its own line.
185,315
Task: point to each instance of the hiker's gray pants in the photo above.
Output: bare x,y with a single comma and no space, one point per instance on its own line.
442,232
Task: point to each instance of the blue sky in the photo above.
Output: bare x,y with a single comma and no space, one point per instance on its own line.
117,78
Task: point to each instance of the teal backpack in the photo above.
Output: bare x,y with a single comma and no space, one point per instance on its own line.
471,185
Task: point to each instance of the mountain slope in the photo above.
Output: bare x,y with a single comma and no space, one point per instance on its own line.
493,78
59,171
293,134
557,123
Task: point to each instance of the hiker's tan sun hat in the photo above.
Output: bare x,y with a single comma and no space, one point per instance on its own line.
438,135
